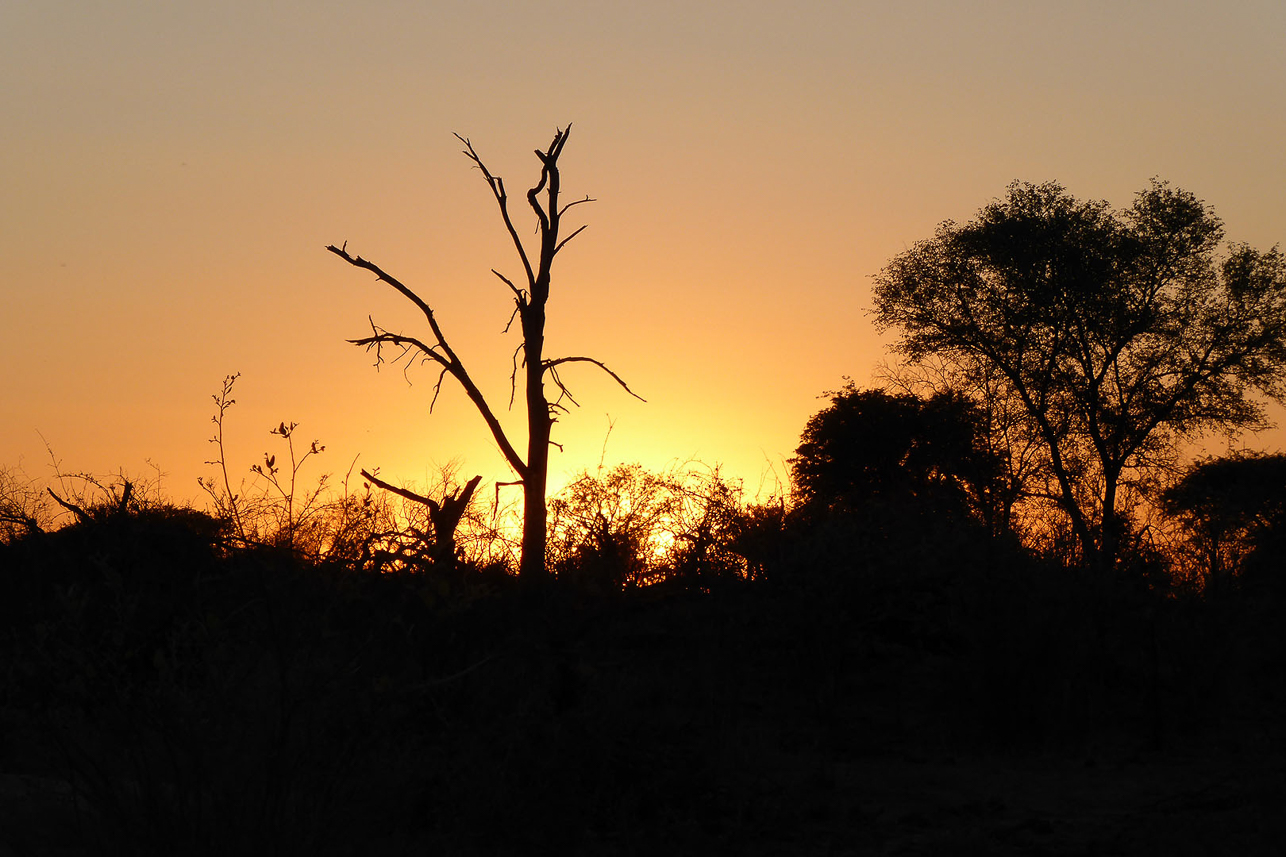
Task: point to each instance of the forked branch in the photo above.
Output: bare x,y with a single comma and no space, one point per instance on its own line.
440,353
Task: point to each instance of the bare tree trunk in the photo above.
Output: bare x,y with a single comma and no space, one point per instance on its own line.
539,427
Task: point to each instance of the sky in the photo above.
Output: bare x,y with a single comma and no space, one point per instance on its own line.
170,174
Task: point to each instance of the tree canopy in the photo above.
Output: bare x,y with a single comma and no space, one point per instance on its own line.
875,446
1113,334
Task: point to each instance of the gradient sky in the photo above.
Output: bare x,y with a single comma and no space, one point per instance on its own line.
171,172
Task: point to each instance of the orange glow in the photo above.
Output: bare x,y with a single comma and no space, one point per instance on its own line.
171,175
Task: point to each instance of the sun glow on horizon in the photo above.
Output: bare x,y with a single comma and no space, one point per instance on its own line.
172,176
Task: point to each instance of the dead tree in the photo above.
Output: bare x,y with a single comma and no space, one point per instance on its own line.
445,516
529,308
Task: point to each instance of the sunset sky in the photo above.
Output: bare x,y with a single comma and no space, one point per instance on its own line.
171,172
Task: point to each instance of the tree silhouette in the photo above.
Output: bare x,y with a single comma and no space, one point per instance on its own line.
1114,334
873,446
1230,505
529,308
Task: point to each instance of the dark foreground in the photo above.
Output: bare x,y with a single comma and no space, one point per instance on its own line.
209,704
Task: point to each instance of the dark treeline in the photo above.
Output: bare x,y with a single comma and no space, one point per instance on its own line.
994,612
700,673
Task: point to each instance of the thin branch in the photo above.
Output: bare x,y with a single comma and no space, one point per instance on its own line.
570,237
533,198
498,191
384,276
499,485
512,316
563,392
407,343
359,262
563,210
519,294
548,175
513,376
550,364
437,388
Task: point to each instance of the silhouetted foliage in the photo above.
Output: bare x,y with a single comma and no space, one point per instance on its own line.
444,516
629,527
762,537
711,510
1234,509
873,447
402,530
197,694
1114,334
609,531
24,508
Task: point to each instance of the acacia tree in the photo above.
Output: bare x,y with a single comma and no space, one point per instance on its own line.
529,308
1115,334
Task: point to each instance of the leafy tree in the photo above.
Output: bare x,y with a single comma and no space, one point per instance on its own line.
529,308
1230,505
871,446
1114,334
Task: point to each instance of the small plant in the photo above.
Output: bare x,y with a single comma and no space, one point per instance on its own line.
287,492
277,513
225,501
